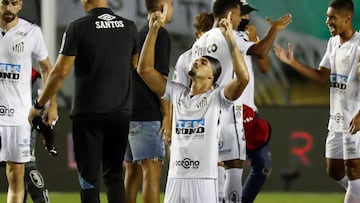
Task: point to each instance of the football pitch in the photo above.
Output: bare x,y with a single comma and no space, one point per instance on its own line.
264,197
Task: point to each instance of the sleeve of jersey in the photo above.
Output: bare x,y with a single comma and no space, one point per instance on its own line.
224,102
243,44
135,33
181,70
173,90
40,51
69,44
325,61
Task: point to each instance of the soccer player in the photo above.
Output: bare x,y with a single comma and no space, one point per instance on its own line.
194,149
21,41
232,149
340,66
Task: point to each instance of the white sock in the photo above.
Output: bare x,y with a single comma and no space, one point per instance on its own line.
344,182
221,183
233,185
353,192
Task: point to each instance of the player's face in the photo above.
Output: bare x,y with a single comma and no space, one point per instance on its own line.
338,21
9,10
201,69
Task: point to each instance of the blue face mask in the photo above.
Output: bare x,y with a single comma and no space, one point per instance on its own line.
243,24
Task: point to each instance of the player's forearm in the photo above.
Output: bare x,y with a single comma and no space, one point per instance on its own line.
261,49
147,55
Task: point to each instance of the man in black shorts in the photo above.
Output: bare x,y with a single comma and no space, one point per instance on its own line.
104,49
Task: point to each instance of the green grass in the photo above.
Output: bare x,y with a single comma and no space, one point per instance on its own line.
265,197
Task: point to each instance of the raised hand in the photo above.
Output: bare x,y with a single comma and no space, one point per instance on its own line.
226,26
251,31
280,23
286,56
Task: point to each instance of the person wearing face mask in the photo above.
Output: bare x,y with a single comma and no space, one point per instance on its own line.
256,135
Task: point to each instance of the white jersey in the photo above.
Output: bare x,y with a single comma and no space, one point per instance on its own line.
182,67
18,46
247,97
194,142
343,60
213,43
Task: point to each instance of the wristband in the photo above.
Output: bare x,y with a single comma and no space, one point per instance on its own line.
37,106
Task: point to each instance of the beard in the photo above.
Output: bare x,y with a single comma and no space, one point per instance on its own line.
191,73
8,17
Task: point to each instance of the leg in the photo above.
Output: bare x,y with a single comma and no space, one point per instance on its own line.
352,167
151,169
233,180
15,178
148,151
35,184
335,167
260,170
116,129
133,175
88,139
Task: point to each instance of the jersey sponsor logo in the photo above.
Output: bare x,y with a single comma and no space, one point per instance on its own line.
108,23
337,118
188,163
19,47
5,111
190,129
204,50
9,72
338,81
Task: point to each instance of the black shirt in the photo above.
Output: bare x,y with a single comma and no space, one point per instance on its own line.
147,105
103,44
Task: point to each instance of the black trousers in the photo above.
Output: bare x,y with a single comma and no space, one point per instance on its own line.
99,144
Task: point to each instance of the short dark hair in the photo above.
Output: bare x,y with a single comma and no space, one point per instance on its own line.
347,5
215,66
153,5
203,22
221,7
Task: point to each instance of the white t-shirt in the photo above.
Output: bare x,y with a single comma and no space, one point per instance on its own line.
343,60
182,67
18,46
213,43
194,143
248,94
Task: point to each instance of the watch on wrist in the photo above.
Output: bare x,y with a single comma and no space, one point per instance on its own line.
37,106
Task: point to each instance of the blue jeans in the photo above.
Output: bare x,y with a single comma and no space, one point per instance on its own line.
260,170
144,141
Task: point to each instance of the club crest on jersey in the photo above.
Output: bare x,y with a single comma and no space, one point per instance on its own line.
107,22
18,47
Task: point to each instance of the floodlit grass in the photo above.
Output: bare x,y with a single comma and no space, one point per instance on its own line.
265,197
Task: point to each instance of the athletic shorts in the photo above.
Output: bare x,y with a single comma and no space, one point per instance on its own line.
180,190
144,141
15,143
342,145
232,143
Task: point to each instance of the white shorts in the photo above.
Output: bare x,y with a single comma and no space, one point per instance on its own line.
342,145
232,143
179,190
15,143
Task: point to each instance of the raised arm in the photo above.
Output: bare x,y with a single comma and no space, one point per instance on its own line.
321,74
235,87
262,48
153,79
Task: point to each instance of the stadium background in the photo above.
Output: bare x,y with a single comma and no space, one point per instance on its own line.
296,108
